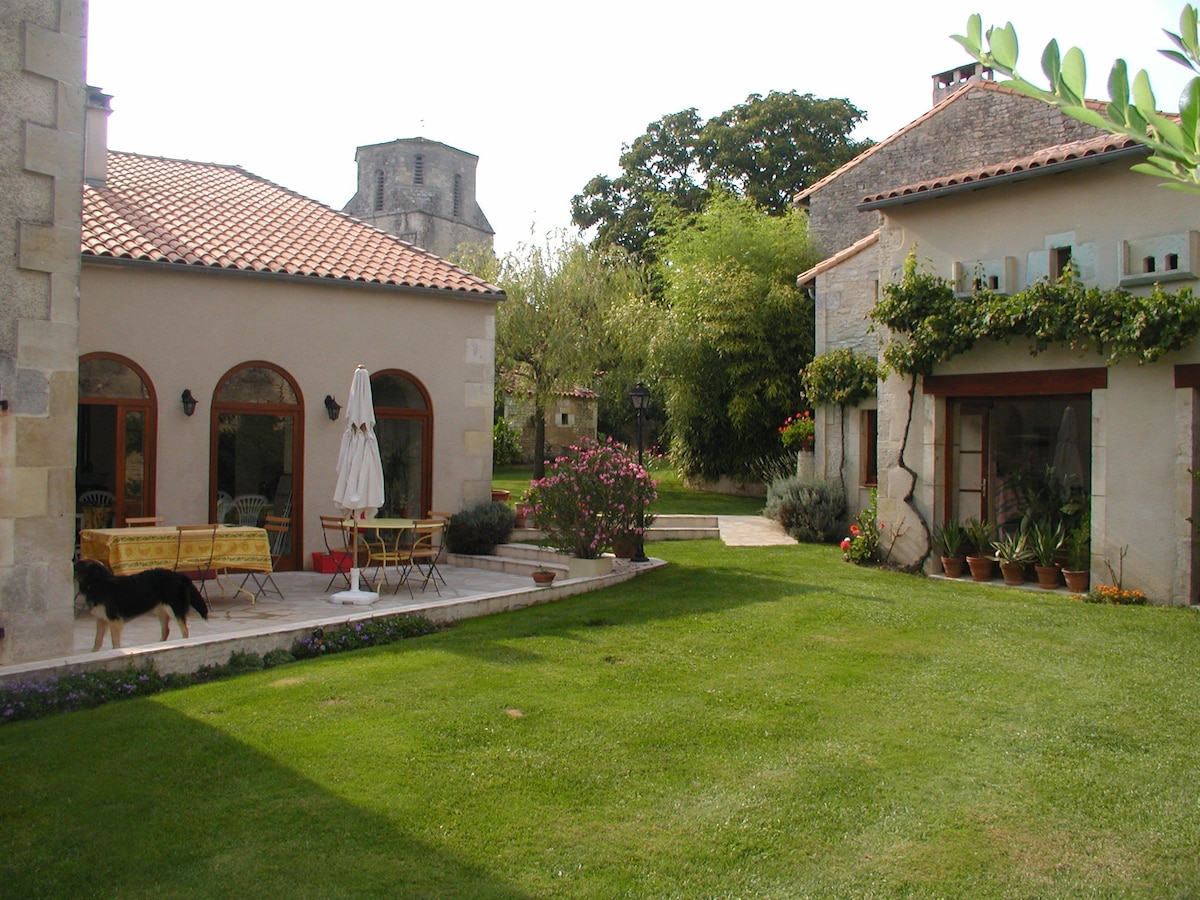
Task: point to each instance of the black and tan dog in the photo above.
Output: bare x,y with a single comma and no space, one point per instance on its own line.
115,599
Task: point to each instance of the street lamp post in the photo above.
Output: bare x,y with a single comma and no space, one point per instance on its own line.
639,397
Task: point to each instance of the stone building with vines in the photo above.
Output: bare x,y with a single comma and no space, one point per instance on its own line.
1027,401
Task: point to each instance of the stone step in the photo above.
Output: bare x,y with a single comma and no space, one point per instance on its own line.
664,528
683,528
514,559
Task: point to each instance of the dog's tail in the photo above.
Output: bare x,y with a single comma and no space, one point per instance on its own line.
196,599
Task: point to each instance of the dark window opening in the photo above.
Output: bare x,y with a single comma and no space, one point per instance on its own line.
870,446
1172,261
378,191
1148,264
1060,258
457,196
419,169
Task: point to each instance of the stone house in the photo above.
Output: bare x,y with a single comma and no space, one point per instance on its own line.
997,414
572,417
423,192
196,326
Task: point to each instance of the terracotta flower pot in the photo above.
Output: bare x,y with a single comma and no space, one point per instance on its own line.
1077,580
953,566
981,568
1013,572
543,577
1047,577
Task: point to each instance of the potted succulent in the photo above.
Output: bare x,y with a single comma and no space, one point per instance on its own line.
950,539
1078,547
542,575
1012,552
1045,539
980,535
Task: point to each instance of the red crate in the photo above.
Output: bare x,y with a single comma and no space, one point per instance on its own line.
328,563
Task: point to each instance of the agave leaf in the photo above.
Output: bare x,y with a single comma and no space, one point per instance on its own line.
1087,115
1118,87
1187,30
1074,75
1138,124
1176,56
1003,43
1168,131
1051,64
1143,95
1189,110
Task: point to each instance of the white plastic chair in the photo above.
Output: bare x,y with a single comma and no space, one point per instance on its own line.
224,505
249,507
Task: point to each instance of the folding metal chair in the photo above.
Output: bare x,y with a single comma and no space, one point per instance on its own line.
388,547
278,528
425,550
337,544
194,571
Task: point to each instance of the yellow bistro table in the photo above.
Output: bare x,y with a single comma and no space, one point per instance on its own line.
378,525
129,550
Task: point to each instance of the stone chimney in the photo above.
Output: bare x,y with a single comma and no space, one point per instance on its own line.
946,83
95,137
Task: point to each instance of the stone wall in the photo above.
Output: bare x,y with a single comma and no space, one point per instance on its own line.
42,99
981,124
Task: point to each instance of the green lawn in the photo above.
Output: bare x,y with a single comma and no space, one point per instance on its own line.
673,497
746,722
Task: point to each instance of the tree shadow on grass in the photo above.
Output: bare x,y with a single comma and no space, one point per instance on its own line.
671,592
137,800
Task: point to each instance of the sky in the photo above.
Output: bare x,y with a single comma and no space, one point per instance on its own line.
544,93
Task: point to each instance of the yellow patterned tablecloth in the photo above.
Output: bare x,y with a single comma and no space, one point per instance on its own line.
129,550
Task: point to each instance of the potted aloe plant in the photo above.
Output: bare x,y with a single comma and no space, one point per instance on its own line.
950,539
1078,547
980,535
1045,539
1012,552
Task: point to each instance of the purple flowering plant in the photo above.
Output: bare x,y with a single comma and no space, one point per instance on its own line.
590,496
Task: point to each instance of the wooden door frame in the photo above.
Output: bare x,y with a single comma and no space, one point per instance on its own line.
149,406
296,413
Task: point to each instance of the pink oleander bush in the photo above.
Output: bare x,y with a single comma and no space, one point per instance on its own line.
591,495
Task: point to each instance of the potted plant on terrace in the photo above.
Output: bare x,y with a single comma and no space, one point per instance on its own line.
799,432
542,575
1012,552
1078,547
590,496
980,535
950,539
1045,539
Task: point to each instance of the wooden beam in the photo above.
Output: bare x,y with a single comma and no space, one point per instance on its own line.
1021,384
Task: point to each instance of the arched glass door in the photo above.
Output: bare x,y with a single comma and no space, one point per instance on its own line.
404,427
256,453
114,454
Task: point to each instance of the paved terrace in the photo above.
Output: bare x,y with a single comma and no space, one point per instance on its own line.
475,586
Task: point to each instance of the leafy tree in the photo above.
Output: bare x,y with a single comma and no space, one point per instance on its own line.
551,332
734,336
1130,112
766,149
769,148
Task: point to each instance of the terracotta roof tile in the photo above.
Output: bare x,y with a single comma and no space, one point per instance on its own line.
1049,158
203,214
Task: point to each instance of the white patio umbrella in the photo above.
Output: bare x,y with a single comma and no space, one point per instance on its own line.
359,488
